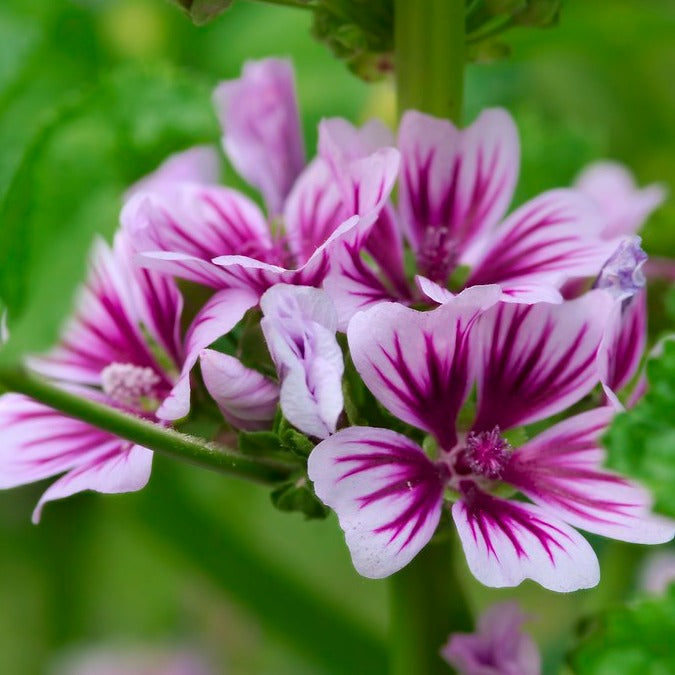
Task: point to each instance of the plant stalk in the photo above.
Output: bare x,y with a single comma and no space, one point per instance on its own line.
143,432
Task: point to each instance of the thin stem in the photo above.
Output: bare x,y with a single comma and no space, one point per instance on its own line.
294,4
145,433
429,50
426,606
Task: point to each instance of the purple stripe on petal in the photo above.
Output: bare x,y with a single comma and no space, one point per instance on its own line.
561,470
387,495
536,360
419,364
506,542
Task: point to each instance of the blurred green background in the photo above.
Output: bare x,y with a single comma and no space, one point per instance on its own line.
93,93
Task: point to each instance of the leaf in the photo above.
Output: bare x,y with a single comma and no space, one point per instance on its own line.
70,184
641,441
297,495
258,443
632,640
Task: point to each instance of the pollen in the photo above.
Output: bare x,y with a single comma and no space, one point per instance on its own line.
487,453
130,385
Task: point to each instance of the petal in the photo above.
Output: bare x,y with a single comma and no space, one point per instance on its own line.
561,470
536,360
418,364
340,140
196,165
506,542
217,317
39,441
262,135
435,292
624,343
459,180
118,471
624,206
106,327
191,224
313,210
299,325
247,399
387,495
546,242
364,171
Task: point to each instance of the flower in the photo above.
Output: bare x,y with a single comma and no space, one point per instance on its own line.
218,237
527,363
454,190
498,647
123,348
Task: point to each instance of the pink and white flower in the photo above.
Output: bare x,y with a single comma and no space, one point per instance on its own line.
123,348
454,191
527,363
498,647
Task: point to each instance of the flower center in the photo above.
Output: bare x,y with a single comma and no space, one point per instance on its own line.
487,453
437,255
130,385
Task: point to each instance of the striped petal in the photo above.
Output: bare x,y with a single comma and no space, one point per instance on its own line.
387,495
506,542
561,470
536,360
455,185
544,243
180,231
419,364
262,135
247,399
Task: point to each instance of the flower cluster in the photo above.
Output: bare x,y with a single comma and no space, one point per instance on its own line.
487,351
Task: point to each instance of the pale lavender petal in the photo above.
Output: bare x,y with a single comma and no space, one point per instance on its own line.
126,470
624,206
262,135
658,572
533,361
547,241
299,325
506,542
387,495
455,185
106,327
561,470
39,442
216,318
385,246
340,140
498,647
622,274
247,399
435,292
623,344
180,230
419,364
195,165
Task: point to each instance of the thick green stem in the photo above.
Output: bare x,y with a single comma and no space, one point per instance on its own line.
426,606
429,43
144,433
427,603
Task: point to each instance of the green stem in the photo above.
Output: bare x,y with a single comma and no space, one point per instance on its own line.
144,433
429,48
427,603
426,606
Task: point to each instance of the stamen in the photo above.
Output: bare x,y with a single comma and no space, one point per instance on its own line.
487,453
437,255
130,385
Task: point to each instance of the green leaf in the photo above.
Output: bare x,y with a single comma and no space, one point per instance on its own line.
70,184
633,640
641,441
295,442
258,442
297,495
203,11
